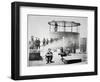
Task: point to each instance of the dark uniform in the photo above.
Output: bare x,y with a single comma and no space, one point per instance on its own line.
49,56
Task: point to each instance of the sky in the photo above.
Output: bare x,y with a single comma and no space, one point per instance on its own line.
38,24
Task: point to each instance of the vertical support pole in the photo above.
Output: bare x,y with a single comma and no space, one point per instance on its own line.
56,27
64,25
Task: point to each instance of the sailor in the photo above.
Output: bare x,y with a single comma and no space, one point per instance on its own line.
49,56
